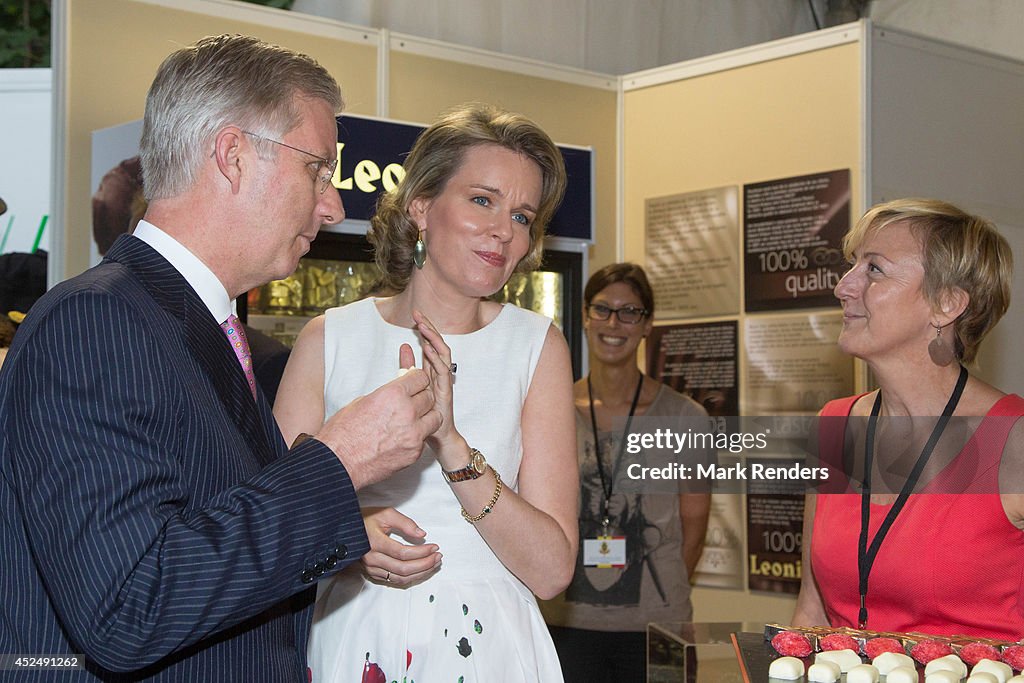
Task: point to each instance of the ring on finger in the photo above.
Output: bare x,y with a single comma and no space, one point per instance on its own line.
387,579
453,368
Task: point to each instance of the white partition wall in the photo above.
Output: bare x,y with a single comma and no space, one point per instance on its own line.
25,150
948,122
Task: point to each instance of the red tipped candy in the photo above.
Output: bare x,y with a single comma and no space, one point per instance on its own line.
877,646
972,653
838,641
1014,656
792,644
927,650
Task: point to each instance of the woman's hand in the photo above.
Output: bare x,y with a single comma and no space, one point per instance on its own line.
393,562
447,443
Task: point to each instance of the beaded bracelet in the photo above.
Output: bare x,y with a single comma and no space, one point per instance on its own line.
490,504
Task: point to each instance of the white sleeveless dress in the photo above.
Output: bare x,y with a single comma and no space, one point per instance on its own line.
473,621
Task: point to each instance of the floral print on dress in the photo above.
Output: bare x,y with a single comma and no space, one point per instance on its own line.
372,673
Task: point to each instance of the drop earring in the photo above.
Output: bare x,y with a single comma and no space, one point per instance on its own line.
940,350
419,252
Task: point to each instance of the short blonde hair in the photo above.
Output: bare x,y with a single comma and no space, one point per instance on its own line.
958,250
435,158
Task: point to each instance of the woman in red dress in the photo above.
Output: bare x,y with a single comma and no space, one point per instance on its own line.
932,539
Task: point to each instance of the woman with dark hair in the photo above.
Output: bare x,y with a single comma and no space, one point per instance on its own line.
927,282
600,623
480,186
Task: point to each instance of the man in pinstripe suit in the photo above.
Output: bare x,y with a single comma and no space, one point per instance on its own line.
152,520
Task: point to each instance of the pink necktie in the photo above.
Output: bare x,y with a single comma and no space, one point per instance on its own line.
236,335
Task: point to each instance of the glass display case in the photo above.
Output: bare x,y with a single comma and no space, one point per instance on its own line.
339,269
694,652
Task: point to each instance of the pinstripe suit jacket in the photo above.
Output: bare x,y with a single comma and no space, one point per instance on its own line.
150,516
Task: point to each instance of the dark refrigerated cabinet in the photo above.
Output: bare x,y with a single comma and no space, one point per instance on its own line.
339,269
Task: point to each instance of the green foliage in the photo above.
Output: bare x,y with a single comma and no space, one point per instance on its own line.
24,33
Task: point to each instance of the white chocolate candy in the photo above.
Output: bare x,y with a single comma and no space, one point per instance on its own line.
1019,678
887,661
862,673
982,677
947,663
786,668
823,671
902,674
1000,670
846,659
402,371
940,676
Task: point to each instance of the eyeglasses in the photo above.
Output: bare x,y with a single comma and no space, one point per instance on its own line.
627,315
324,169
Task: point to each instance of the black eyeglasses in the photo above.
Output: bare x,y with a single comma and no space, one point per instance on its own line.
628,315
324,169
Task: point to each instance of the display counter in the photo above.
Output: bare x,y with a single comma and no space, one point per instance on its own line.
684,652
698,652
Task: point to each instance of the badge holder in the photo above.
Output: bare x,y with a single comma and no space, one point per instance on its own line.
605,551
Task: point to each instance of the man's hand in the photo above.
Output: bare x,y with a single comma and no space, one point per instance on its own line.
380,433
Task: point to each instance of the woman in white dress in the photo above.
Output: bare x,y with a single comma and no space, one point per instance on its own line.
480,186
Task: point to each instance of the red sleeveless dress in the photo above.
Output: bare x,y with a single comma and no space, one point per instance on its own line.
950,564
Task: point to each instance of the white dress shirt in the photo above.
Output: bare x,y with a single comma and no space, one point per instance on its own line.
196,273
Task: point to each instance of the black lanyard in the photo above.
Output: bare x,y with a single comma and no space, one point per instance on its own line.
607,481
865,555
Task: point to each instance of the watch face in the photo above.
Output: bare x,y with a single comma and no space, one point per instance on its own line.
478,462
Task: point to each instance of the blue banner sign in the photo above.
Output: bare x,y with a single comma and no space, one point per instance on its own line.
370,156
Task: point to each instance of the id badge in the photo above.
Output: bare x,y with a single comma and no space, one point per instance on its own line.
604,552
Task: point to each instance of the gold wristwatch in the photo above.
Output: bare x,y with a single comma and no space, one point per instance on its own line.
477,466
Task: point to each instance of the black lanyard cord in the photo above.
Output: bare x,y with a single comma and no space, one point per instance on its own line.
866,555
608,481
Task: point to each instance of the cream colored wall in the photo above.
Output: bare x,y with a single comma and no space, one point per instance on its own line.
775,119
422,87
786,117
115,47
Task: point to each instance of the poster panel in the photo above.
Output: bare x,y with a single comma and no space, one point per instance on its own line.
775,514
793,364
699,360
692,243
792,235
721,562
116,185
